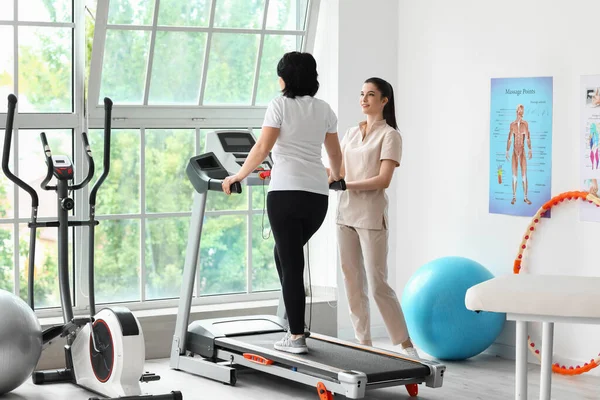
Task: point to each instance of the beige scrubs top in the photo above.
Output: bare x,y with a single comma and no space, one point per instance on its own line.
367,209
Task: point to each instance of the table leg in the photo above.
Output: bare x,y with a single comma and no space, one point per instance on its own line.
546,367
521,361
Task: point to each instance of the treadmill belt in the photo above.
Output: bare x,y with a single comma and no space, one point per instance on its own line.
377,367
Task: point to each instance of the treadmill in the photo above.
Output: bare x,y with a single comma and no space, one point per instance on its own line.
212,348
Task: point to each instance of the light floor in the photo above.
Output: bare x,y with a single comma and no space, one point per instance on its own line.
482,377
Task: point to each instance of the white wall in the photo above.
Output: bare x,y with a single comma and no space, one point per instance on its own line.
447,53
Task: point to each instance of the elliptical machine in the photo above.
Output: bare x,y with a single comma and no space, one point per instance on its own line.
105,352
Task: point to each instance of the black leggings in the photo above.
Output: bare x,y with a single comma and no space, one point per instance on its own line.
294,216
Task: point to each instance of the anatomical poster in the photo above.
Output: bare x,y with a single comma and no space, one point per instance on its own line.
520,145
589,98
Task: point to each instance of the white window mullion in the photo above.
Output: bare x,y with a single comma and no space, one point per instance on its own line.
249,241
199,150
16,52
207,52
80,234
310,26
143,272
16,288
260,51
151,53
97,57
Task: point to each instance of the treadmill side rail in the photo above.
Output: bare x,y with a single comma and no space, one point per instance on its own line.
206,368
436,378
354,382
353,386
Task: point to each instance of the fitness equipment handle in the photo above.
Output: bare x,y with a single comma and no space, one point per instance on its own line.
48,154
338,185
107,119
10,117
215,184
90,159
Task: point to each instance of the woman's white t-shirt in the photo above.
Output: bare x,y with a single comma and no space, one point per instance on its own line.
303,122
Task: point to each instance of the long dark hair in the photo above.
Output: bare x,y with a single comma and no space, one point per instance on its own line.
389,110
299,72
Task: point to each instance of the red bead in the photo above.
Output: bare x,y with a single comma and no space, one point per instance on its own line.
557,365
537,352
531,228
520,256
535,220
527,237
578,367
571,367
532,344
523,248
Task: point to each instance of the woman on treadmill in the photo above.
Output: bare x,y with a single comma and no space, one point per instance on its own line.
295,127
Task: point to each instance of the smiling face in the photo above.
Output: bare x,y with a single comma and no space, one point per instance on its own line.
371,101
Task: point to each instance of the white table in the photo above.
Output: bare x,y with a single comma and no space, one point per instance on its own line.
541,298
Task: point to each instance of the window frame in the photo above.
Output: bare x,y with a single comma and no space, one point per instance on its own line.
140,118
185,116
74,121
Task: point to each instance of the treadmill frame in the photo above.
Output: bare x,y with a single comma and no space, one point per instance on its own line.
352,384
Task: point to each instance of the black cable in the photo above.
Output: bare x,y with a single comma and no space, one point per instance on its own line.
262,232
309,286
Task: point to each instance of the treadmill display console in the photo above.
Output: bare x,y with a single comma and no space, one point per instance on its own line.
236,142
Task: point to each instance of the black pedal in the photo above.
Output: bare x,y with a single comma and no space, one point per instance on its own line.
149,377
52,333
74,325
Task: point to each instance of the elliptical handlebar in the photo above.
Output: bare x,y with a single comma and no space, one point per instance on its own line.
48,155
10,117
107,122
90,159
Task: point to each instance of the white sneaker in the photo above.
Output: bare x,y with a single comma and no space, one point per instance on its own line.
412,353
286,343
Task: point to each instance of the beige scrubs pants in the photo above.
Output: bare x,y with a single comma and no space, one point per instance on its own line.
363,255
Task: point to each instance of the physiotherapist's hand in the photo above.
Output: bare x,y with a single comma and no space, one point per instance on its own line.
227,182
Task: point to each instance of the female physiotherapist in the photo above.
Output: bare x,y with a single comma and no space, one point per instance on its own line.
371,152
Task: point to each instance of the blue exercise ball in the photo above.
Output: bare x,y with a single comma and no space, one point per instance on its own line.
20,341
438,321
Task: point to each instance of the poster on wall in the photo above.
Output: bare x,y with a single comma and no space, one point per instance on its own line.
520,145
589,97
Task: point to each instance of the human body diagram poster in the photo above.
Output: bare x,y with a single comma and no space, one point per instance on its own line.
520,145
589,97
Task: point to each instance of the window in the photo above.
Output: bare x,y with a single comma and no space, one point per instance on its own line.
39,63
146,203
175,69
203,63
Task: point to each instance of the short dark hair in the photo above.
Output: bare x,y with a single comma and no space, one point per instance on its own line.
389,110
299,72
